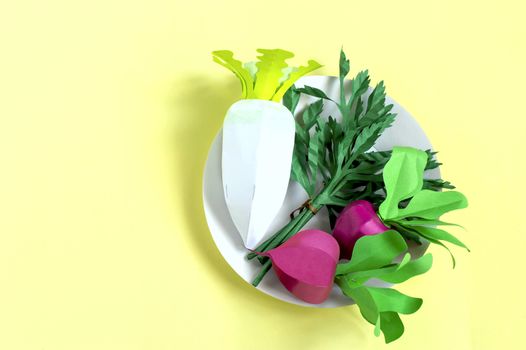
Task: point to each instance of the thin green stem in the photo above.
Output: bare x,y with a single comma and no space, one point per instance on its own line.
266,267
263,246
297,223
302,219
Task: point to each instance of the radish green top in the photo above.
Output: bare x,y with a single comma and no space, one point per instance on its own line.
270,77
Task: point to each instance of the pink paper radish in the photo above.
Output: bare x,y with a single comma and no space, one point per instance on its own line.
306,264
356,220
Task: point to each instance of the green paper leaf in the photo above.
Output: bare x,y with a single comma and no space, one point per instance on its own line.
251,68
377,307
291,99
437,185
377,326
298,173
363,299
269,78
375,105
227,60
313,156
352,109
345,65
306,154
360,83
439,235
425,222
377,97
380,158
374,251
403,178
428,204
409,270
314,92
344,70
311,114
416,231
293,77
393,273
367,138
270,70
308,119
406,232
388,299
333,200
405,260
435,241
343,147
287,71
391,326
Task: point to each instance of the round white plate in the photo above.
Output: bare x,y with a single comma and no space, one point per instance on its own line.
404,132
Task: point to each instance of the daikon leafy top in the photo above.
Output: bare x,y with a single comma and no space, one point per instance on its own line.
268,78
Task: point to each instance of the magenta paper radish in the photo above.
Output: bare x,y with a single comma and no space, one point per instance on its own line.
306,264
404,178
356,220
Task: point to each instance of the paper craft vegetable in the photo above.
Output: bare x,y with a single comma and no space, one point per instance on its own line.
372,258
306,264
330,160
412,210
403,176
356,220
258,139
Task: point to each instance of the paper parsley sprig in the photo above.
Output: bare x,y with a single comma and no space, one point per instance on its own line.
336,152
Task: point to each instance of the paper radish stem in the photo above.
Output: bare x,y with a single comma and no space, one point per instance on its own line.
258,141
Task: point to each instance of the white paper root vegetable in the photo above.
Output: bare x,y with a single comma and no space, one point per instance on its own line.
258,140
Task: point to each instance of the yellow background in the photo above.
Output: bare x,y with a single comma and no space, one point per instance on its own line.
107,110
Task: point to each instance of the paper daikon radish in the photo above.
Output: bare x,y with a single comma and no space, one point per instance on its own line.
258,140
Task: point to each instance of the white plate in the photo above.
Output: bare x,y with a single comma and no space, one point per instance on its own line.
404,132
